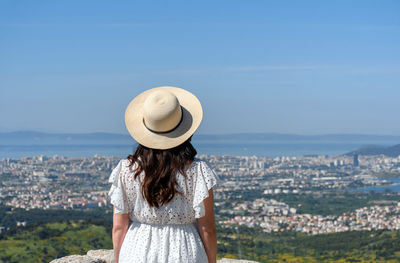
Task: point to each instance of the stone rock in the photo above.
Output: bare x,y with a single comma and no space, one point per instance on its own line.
228,260
78,259
105,254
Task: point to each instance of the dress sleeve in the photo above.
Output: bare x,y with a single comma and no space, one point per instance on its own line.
205,180
117,193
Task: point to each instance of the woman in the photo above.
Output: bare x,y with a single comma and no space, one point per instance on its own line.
162,188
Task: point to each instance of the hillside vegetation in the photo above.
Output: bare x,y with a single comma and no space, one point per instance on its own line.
355,246
43,242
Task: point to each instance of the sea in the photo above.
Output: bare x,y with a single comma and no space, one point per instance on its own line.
237,148
394,186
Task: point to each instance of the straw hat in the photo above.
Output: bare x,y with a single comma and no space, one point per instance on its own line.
163,117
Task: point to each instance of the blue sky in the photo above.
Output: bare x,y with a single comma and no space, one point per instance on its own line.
306,67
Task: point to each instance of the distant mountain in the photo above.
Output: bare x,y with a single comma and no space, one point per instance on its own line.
281,137
35,137
391,151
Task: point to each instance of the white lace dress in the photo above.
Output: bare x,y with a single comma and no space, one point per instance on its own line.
168,233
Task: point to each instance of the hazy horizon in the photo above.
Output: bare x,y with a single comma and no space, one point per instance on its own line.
5,130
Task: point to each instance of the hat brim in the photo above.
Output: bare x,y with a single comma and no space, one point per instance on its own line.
192,115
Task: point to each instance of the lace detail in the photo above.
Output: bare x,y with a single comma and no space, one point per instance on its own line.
145,243
205,180
118,192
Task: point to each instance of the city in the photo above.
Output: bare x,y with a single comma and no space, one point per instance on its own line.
247,193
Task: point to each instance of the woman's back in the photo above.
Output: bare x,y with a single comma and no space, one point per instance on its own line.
125,194
167,233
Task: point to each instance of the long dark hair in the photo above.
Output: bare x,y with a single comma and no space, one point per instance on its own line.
160,167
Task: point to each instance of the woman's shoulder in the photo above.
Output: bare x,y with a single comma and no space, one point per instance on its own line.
197,160
122,163
125,162
200,166
124,166
195,163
